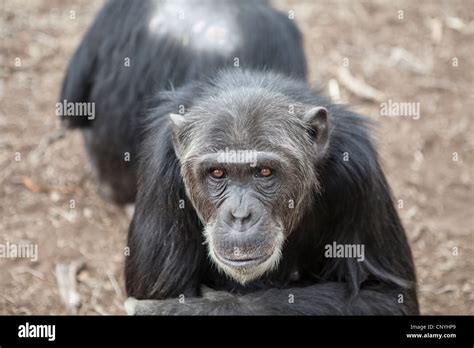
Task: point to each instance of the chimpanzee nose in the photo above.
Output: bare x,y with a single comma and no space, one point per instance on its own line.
240,218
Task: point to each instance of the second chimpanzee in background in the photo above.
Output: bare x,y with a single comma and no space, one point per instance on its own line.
137,48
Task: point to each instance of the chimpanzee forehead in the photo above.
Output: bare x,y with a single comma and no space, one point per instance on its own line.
228,133
272,146
248,118
256,134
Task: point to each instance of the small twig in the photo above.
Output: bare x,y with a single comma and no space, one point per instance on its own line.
334,91
115,285
436,27
35,187
456,23
66,277
9,299
34,273
409,62
358,87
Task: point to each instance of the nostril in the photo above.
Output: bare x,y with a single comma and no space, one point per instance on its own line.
241,218
246,219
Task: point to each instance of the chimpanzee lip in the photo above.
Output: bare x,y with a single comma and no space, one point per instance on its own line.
243,262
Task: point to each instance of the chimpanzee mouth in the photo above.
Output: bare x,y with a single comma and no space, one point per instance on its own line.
243,262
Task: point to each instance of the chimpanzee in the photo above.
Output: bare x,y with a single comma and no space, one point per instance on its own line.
271,196
137,48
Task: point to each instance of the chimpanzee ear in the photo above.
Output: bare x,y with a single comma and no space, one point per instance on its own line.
318,119
178,121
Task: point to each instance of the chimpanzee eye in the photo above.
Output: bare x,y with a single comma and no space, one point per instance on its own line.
264,172
217,173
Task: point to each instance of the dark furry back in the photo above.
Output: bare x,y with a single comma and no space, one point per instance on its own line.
96,73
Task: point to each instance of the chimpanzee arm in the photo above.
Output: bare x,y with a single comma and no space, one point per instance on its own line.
319,299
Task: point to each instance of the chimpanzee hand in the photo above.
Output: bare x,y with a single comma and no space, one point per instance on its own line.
212,302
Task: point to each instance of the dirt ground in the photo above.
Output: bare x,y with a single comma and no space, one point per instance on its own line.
422,55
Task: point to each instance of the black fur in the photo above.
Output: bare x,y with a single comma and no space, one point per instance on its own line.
353,205
162,58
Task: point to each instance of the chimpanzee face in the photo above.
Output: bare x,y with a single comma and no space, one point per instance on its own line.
244,208
248,181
